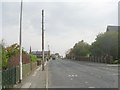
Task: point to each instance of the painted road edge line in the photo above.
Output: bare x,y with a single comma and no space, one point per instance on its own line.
46,77
35,72
26,85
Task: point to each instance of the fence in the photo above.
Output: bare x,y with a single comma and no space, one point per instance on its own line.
26,69
0,79
8,78
11,76
100,59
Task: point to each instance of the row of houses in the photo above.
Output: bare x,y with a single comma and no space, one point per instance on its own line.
39,53
113,29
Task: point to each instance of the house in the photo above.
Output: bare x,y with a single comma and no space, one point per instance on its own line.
113,28
39,53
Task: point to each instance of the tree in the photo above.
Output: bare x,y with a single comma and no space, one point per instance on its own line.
33,58
57,54
0,56
3,53
105,44
80,49
12,50
8,52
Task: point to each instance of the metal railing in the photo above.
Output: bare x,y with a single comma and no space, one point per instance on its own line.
11,76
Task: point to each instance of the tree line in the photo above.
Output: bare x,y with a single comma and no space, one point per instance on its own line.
105,44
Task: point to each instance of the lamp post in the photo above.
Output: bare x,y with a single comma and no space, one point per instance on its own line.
20,42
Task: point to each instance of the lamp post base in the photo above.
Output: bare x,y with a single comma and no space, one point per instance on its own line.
20,81
43,67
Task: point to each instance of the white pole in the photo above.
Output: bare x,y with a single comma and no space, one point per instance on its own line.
21,42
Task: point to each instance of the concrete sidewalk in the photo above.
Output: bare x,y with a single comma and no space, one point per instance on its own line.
37,79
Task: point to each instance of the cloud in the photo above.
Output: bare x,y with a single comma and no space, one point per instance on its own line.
0,21
65,22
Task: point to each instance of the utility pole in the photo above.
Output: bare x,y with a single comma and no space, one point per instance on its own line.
42,40
30,50
20,43
48,52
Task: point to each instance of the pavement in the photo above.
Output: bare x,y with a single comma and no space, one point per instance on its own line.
37,79
80,74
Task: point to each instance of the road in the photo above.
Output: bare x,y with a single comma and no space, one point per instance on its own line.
79,74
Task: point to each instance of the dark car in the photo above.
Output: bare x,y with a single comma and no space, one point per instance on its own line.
53,58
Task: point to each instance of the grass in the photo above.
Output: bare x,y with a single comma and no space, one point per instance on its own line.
116,62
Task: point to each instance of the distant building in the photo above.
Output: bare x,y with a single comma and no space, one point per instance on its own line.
113,28
39,53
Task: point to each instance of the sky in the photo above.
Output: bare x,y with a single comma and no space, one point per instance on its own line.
66,22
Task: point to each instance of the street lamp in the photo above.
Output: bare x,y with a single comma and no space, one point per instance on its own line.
20,43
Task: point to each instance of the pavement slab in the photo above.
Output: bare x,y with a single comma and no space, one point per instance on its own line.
36,79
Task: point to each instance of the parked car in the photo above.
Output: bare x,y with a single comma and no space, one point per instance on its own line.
53,57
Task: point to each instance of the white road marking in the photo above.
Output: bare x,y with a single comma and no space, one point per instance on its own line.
38,68
45,63
86,82
113,65
71,79
72,75
26,85
76,75
91,87
111,69
115,74
34,73
69,75
47,78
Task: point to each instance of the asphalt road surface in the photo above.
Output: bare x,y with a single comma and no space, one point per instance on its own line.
79,74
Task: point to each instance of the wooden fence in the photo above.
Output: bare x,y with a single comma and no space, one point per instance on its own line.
100,59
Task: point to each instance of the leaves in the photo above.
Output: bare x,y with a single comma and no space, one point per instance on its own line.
80,49
33,58
12,50
8,52
104,44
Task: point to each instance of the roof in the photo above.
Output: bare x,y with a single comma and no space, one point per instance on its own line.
113,28
39,52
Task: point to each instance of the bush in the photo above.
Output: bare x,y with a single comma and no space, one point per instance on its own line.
14,60
116,61
33,58
4,58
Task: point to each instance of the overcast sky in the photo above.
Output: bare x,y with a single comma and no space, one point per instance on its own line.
66,23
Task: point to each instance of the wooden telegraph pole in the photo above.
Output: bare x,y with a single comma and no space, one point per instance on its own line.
42,40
